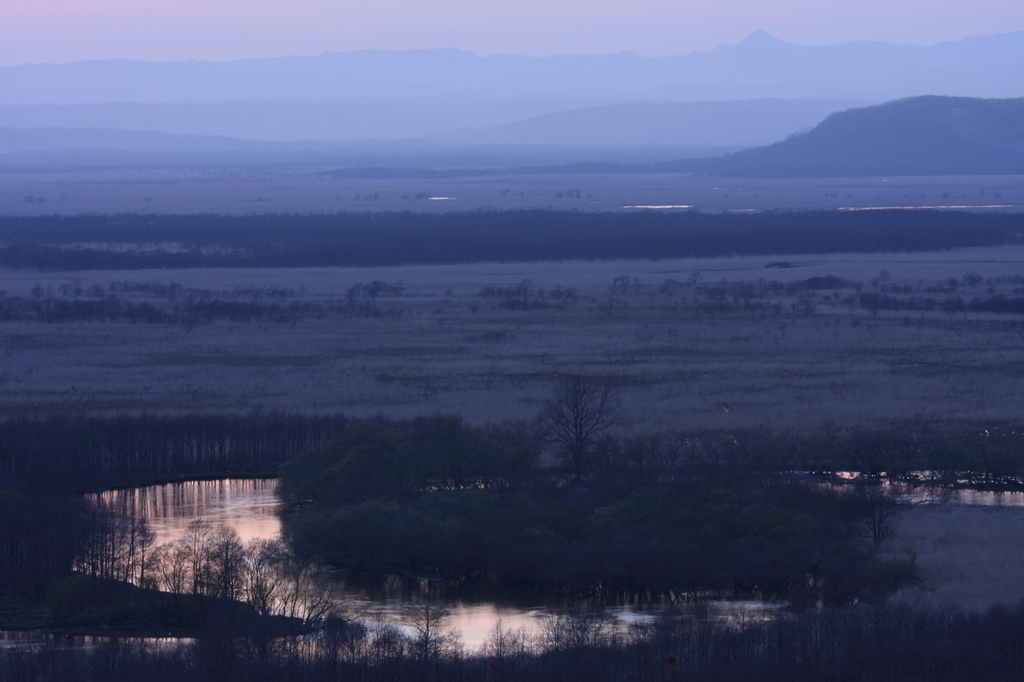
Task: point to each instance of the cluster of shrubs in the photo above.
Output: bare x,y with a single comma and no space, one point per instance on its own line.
438,496
525,296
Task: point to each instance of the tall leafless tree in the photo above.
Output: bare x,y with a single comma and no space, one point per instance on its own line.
880,505
580,410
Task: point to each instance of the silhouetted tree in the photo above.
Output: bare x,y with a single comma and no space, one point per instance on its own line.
580,409
880,506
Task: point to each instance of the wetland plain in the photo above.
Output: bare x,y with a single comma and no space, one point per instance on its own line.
715,343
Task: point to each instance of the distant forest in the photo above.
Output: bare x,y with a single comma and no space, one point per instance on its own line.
133,241
84,453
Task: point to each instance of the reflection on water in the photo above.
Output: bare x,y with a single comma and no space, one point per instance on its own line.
31,640
931,489
477,607
987,498
12,641
248,505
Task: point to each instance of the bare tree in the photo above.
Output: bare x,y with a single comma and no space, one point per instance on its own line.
227,563
306,592
434,641
197,536
880,507
506,647
575,630
580,409
263,574
170,567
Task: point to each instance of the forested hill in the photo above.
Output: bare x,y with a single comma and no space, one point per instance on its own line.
914,136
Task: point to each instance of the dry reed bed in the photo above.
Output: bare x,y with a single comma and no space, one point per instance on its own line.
441,347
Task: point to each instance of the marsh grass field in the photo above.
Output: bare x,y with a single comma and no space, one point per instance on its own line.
725,343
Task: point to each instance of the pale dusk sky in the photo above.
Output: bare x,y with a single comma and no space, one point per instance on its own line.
41,31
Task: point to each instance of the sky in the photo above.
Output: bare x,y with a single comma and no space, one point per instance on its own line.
57,31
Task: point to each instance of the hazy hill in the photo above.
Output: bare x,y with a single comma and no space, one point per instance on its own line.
739,123
13,140
734,124
915,136
760,66
282,121
927,135
67,148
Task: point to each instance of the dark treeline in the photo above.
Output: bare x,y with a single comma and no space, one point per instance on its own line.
879,643
91,453
82,453
365,239
40,536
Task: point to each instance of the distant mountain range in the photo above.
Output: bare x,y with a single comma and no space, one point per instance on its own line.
928,135
753,93
240,125
758,67
742,123
57,148
284,121
915,136
15,140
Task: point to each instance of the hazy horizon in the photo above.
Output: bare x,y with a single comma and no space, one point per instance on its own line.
51,31
702,48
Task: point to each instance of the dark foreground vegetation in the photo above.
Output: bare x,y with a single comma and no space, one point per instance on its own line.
679,516
133,241
879,643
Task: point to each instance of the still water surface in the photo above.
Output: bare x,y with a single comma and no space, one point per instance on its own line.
247,505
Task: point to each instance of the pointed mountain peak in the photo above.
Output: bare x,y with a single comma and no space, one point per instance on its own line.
761,39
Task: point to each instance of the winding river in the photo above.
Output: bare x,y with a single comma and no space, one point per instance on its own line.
250,507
